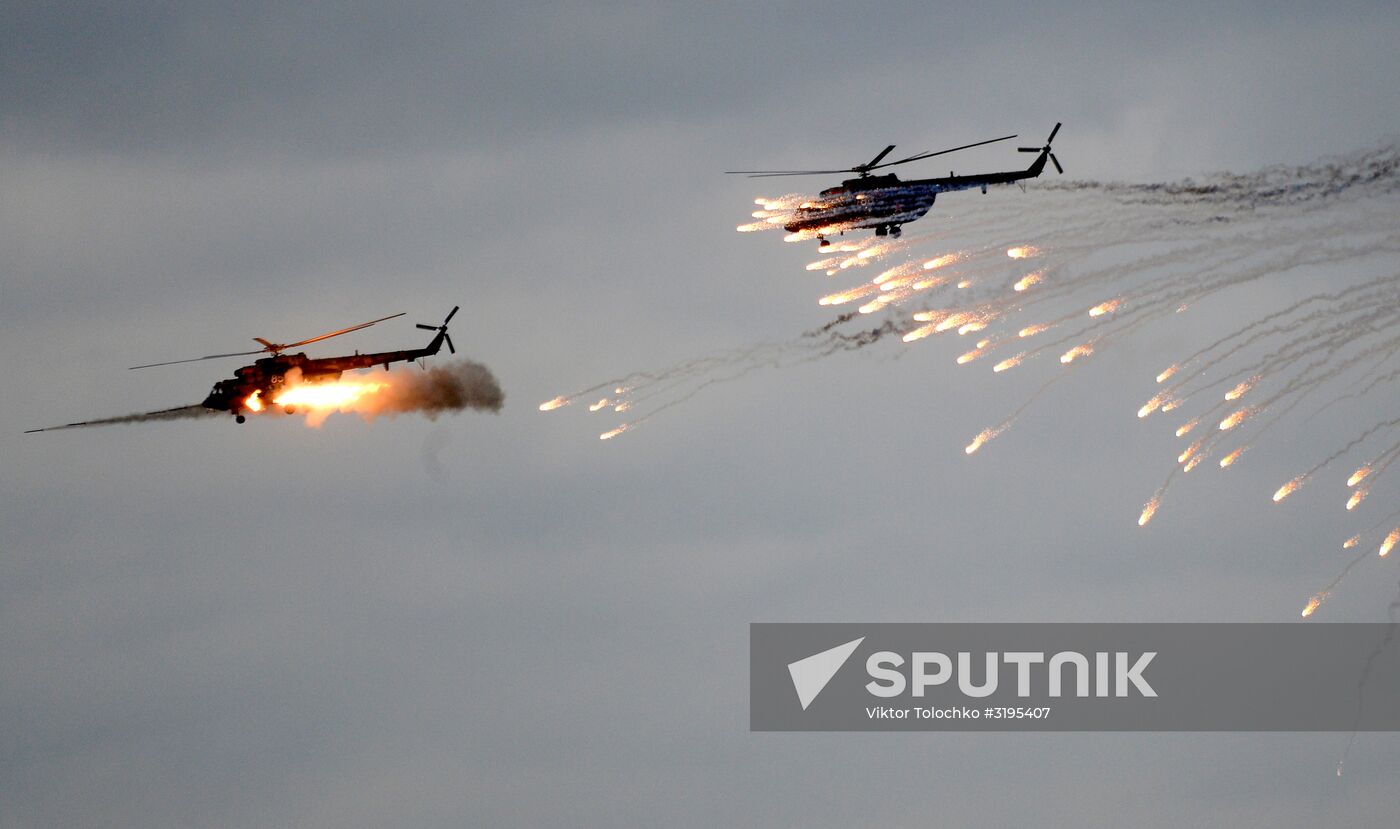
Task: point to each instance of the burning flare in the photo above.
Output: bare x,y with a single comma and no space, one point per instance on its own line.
1289,488
1244,386
1149,509
1389,543
1236,418
1359,475
984,436
1075,353
1357,497
1230,459
1167,373
551,405
1022,252
1106,307
1026,281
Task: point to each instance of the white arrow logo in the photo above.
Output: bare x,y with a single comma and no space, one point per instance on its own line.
810,675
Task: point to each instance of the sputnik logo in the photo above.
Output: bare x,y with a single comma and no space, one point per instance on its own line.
810,675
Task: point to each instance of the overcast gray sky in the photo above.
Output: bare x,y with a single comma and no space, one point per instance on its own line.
497,620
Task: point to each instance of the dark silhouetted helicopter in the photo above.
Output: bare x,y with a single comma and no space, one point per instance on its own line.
266,378
885,203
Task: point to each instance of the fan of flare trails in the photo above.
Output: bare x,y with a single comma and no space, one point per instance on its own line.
1057,277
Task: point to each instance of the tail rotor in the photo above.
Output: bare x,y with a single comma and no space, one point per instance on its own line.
442,329
1046,149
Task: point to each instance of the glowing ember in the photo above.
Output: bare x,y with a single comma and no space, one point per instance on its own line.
1168,372
1076,352
846,296
1313,604
1191,464
919,333
941,261
1009,362
970,356
1357,497
1359,475
1032,330
1188,426
1148,510
551,405
1230,459
1022,252
1236,419
600,404
966,283
982,437
1238,391
1190,450
1351,542
623,406
1289,488
1106,307
1389,543
614,433
1026,281
1152,405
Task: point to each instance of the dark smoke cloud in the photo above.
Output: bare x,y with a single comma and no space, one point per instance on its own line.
451,387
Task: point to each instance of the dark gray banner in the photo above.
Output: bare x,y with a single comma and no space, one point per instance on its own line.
1074,677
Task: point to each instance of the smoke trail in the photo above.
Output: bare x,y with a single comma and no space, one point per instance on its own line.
181,413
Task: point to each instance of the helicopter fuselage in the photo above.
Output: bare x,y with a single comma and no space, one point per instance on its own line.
886,202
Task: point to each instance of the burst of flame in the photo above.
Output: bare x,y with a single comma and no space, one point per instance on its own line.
920,332
1236,418
254,402
1149,509
982,437
971,355
1075,353
1105,307
1152,405
551,405
1289,488
966,283
623,406
1032,330
1187,426
1022,252
600,404
968,328
1357,497
930,316
842,297
1238,391
615,432
941,261
1168,372
1009,362
1389,543
1313,604
1359,475
1230,459
1351,542
1191,464
327,395
1174,403
1026,281
1190,450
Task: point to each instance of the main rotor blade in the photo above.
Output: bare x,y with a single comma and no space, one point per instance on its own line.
1029,149
1057,164
942,152
338,333
450,347
426,327
766,173
1051,139
197,359
875,162
451,314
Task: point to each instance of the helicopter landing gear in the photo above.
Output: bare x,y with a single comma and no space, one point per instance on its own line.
239,418
895,230
882,230
823,243
289,409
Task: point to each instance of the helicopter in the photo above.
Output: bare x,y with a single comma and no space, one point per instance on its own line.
886,203
266,377
254,386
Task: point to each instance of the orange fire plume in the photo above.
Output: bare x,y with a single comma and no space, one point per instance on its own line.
1359,475
1106,307
1389,543
551,405
1230,459
1289,488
